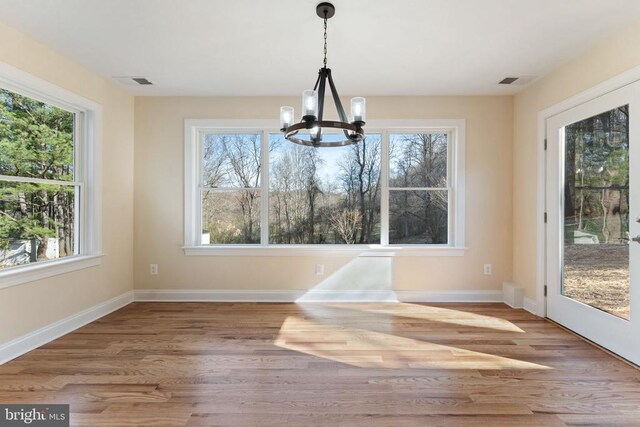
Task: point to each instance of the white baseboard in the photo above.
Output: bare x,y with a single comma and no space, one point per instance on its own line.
531,306
317,296
35,339
450,296
206,295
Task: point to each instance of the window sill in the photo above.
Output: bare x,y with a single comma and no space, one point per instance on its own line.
29,273
326,251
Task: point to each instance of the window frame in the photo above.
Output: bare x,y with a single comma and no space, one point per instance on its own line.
450,188
455,128
87,176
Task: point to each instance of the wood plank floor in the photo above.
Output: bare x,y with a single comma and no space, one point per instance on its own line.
326,364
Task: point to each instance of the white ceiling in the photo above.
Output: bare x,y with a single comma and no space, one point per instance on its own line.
259,47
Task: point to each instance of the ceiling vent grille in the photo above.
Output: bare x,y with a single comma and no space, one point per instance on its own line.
132,81
508,80
517,81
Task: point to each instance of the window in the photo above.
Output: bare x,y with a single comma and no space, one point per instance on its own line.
248,187
230,190
324,196
418,188
47,197
38,191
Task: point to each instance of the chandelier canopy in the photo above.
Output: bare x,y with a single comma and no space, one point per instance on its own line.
313,106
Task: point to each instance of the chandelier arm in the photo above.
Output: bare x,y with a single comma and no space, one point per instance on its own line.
336,100
315,86
321,90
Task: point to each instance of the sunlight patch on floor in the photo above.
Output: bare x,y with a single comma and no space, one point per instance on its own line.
411,311
371,349
440,314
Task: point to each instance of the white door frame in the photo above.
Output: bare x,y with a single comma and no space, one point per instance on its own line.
603,88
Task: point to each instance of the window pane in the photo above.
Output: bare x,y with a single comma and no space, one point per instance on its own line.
596,211
230,217
418,160
231,160
36,222
324,195
36,139
418,217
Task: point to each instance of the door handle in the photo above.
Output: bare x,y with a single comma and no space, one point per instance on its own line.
636,239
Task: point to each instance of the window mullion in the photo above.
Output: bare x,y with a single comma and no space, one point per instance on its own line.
81,241
197,204
384,199
452,184
264,189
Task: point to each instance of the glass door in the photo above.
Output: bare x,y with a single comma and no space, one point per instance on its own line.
593,213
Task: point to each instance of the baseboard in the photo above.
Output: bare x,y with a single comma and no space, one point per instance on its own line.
35,339
450,296
206,295
530,305
316,296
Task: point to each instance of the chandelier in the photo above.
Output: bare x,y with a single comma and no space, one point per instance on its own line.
313,106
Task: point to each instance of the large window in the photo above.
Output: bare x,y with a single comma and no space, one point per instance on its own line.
324,196
47,195
418,188
249,187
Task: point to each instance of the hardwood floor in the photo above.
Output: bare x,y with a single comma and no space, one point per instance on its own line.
326,364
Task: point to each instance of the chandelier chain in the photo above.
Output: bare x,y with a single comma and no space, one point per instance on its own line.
325,40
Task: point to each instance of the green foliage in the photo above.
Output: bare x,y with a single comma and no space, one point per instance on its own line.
36,141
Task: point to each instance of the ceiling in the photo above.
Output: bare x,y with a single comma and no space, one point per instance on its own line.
258,47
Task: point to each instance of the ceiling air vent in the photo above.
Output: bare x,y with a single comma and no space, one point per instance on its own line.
132,81
508,80
142,81
517,81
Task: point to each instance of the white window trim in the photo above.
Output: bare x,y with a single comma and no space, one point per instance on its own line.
88,154
456,184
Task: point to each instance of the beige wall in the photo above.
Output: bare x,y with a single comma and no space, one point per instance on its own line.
613,56
29,306
159,127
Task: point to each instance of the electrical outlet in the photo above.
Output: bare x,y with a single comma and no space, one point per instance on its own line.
319,269
487,269
153,269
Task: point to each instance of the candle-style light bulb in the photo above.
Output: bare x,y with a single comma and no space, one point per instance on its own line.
287,115
310,103
358,109
314,132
